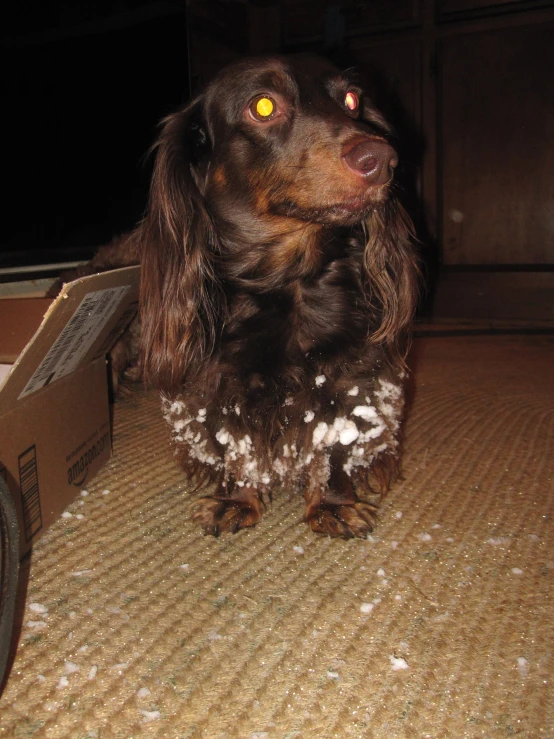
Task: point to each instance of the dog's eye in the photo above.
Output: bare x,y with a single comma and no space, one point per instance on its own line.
352,101
263,108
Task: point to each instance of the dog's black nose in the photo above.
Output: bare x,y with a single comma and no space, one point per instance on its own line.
373,159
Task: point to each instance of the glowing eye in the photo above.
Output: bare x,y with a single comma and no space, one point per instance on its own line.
351,100
263,108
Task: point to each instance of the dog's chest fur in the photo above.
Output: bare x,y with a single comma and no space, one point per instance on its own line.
308,380
305,322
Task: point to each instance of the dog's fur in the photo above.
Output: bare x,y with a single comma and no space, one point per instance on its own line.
278,287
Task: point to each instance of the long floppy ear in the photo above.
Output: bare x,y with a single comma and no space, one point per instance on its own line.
179,306
391,275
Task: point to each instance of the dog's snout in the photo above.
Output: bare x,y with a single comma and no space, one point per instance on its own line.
373,159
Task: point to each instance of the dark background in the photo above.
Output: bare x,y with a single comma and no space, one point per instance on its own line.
84,90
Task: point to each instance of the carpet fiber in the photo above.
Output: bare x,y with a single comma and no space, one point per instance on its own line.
439,625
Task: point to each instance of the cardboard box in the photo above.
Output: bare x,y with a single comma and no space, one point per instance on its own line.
55,429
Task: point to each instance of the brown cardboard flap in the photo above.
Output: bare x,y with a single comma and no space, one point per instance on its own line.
19,319
82,323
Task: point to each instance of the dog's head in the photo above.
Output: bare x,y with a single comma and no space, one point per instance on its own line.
248,175
293,137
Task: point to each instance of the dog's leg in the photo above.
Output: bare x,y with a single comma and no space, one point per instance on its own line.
332,506
235,507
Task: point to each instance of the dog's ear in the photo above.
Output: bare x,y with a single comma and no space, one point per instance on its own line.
178,295
391,275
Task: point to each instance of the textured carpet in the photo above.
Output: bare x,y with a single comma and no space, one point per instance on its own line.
439,625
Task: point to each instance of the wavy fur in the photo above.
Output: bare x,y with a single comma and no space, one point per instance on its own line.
279,282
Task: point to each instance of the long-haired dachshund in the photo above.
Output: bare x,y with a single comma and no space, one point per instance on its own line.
278,288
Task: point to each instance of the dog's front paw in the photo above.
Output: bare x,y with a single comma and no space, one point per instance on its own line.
216,515
347,521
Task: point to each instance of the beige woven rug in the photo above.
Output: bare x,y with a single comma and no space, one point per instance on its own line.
439,625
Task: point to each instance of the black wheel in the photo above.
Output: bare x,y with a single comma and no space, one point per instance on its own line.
9,570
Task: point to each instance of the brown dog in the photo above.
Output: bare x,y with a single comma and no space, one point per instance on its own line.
278,288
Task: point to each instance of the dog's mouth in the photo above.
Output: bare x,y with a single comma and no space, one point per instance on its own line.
354,207
344,211
360,203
